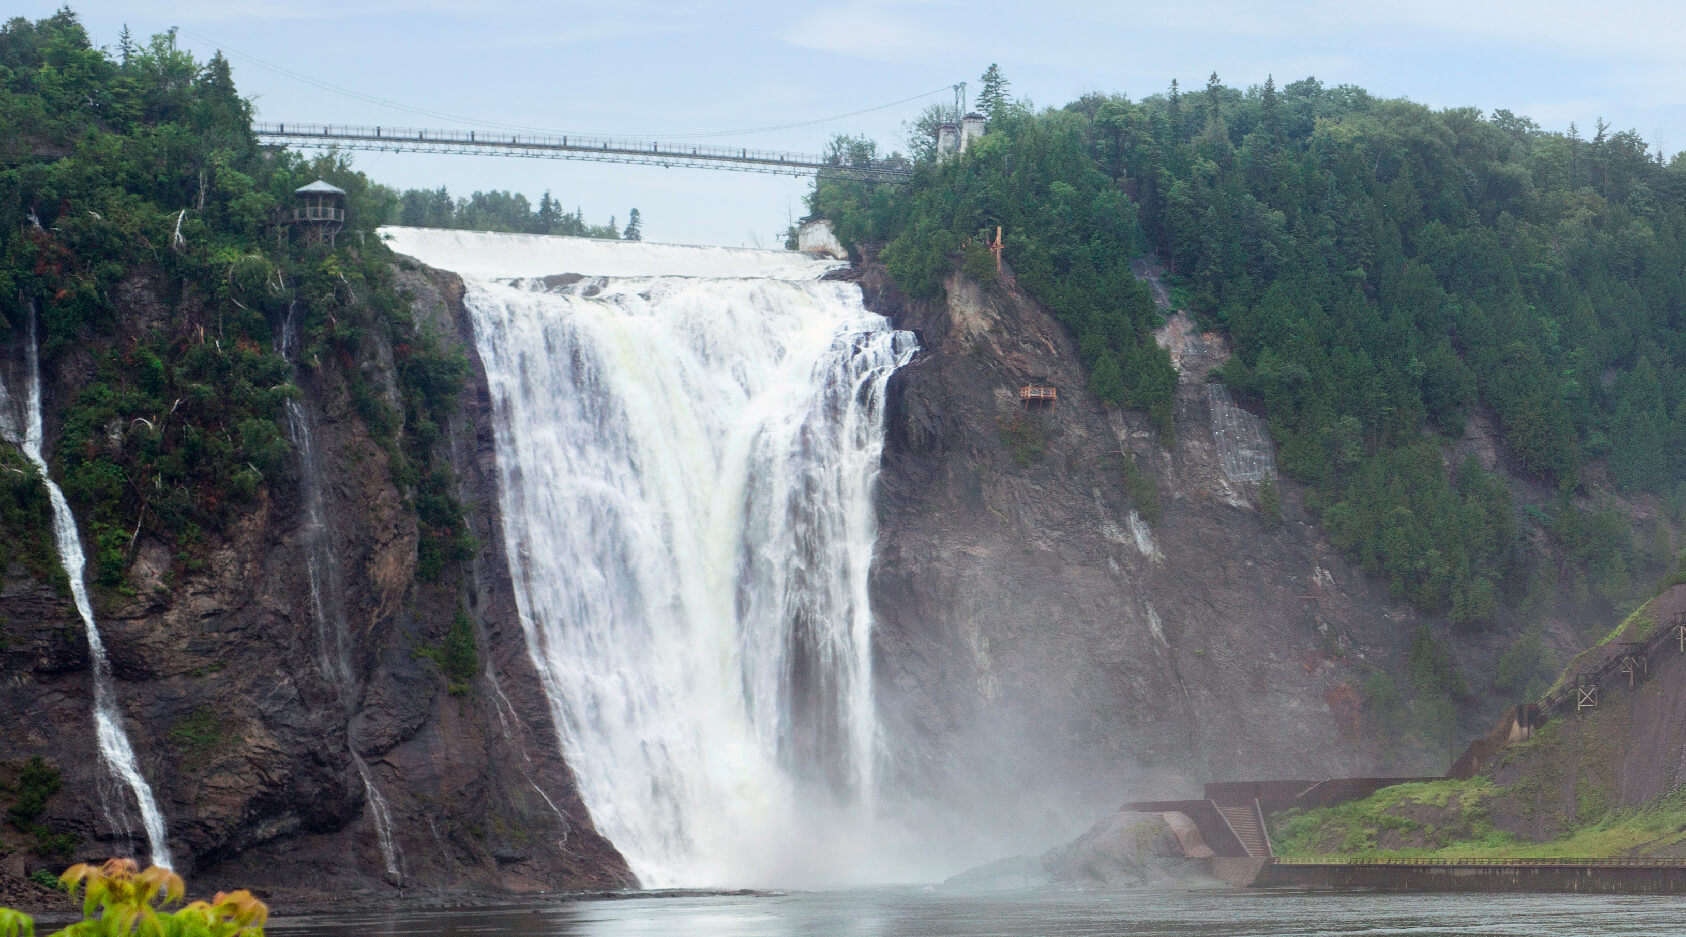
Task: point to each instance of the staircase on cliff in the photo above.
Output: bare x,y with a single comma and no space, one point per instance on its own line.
1244,820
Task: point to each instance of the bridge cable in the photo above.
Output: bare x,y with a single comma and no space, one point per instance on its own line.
387,102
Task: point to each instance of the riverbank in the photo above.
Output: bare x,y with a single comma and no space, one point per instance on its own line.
1583,876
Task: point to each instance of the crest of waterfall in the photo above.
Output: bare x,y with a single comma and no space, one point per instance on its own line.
114,748
686,466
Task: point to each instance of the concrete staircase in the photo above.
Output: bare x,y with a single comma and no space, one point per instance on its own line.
1244,820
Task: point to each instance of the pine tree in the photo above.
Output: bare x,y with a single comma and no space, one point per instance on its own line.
992,100
1174,113
1212,88
547,214
634,227
1270,112
125,45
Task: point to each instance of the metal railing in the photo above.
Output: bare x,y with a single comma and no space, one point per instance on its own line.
314,213
601,149
1488,862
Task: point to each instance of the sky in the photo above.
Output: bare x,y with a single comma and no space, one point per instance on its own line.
704,72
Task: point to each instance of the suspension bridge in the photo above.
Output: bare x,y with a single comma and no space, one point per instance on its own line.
599,149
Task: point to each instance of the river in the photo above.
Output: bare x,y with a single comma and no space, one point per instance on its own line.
909,912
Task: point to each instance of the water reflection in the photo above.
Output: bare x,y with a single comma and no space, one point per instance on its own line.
916,913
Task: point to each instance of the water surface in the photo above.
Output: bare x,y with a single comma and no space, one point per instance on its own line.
920,913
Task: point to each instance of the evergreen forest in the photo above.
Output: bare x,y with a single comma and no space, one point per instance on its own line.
130,178
1391,278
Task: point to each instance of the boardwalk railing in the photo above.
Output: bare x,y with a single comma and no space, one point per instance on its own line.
600,149
1644,862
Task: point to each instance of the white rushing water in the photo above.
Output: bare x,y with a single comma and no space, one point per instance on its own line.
686,471
115,750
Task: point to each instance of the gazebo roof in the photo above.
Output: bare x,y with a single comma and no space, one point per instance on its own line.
319,187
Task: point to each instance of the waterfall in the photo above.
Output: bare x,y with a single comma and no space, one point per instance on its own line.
115,750
326,610
686,467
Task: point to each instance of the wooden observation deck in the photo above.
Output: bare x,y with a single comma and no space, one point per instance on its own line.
1038,397
319,209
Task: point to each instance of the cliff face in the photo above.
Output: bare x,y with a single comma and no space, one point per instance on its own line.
244,722
1042,650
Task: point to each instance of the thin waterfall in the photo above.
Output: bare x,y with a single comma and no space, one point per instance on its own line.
326,611
686,467
115,750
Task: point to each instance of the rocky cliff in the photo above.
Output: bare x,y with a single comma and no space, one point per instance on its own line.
269,749
1051,641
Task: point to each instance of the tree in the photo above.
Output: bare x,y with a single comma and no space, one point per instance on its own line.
846,150
125,45
634,227
992,100
920,134
1174,113
1270,112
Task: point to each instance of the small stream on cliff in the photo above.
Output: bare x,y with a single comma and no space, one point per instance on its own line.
327,610
1147,912
687,443
114,748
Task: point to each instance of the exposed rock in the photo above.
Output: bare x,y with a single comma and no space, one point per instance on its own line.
1043,651
816,237
479,795
1125,848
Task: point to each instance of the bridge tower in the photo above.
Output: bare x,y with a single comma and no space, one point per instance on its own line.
319,210
948,140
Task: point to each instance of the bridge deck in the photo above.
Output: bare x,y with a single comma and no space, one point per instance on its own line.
601,149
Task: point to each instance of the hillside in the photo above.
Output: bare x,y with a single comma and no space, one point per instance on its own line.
274,450
1361,422
1595,782
1462,332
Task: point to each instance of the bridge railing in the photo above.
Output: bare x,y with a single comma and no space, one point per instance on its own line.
1645,862
402,136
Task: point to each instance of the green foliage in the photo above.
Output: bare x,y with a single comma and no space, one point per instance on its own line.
499,211
992,96
1526,669
36,783
16,923
197,736
456,655
178,432
26,521
1270,501
430,378
1070,231
1382,269
119,901
1361,828
1024,438
1143,490
977,262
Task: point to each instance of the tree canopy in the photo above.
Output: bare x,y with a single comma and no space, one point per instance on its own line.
1385,272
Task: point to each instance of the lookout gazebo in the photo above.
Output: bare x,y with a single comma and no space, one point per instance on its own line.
319,208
